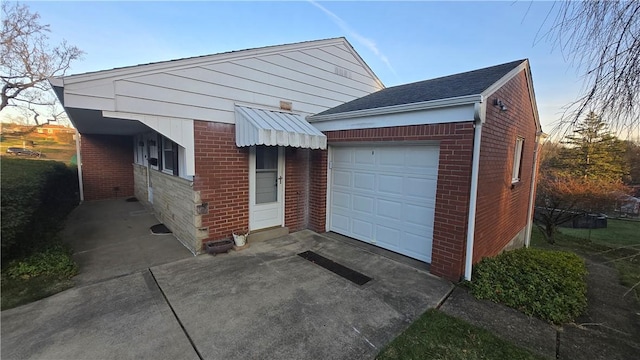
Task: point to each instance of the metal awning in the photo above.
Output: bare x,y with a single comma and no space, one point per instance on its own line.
265,127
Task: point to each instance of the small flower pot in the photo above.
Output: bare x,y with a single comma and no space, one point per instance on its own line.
239,239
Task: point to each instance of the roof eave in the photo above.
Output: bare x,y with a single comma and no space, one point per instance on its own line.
510,75
142,69
424,105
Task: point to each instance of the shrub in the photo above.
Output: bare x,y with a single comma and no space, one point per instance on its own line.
36,196
55,261
550,285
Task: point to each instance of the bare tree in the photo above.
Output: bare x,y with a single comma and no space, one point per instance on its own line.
560,198
602,38
28,61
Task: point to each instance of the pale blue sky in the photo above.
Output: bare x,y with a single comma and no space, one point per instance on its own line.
401,41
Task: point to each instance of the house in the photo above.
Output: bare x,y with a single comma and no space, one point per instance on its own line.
53,129
304,136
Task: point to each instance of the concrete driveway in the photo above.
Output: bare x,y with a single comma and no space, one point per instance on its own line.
265,302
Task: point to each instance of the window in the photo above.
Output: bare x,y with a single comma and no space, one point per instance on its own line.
266,174
138,146
517,160
169,154
50,131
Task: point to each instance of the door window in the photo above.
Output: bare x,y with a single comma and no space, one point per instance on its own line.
266,174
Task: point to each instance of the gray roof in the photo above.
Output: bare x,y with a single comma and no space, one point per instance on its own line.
467,83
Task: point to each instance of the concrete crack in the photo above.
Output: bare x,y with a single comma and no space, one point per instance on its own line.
184,330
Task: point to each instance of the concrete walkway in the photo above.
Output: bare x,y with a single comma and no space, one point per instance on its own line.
265,302
111,238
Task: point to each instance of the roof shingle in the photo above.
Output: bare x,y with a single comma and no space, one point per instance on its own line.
462,84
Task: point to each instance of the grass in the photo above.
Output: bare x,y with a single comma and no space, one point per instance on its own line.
626,259
50,149
37,276
16,292
617,232
436,335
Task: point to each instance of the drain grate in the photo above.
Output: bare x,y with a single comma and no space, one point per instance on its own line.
336,268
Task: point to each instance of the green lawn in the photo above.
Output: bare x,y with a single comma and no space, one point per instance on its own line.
51,150
617,232
436,335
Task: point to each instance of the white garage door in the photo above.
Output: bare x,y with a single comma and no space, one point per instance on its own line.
385,195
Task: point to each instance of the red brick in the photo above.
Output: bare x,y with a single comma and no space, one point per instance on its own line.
106,166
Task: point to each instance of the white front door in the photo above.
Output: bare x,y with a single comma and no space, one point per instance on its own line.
266,187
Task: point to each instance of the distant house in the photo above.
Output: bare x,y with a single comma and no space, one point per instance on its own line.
50,131
305,136
53,130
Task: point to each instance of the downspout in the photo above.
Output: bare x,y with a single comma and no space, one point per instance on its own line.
473,195
79,161
527,237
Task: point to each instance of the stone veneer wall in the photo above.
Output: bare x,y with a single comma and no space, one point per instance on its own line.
140,190
175,204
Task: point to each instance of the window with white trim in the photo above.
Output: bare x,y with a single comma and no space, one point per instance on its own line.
169,154
517,160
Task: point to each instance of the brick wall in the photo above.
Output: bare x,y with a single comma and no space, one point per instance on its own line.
296,194
317,190
106,166
452,194
502,209
222,179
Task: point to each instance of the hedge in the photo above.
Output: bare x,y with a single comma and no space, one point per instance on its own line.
36,196
550,285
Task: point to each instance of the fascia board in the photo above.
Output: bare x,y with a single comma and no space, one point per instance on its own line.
425,105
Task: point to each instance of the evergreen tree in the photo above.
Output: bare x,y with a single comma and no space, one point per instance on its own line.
592,152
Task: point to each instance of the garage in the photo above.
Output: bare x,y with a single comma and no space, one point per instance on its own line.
385,195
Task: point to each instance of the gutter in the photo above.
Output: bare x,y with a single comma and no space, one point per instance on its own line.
527,237
479,116
432,104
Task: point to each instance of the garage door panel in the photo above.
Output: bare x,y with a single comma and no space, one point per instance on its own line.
342,157
340,222
363,156
342,200
420,188
392,196
414,158
416,245
390,184
391,210
342,178
388,237
364,181
364,204
391,159
418,214
362,229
